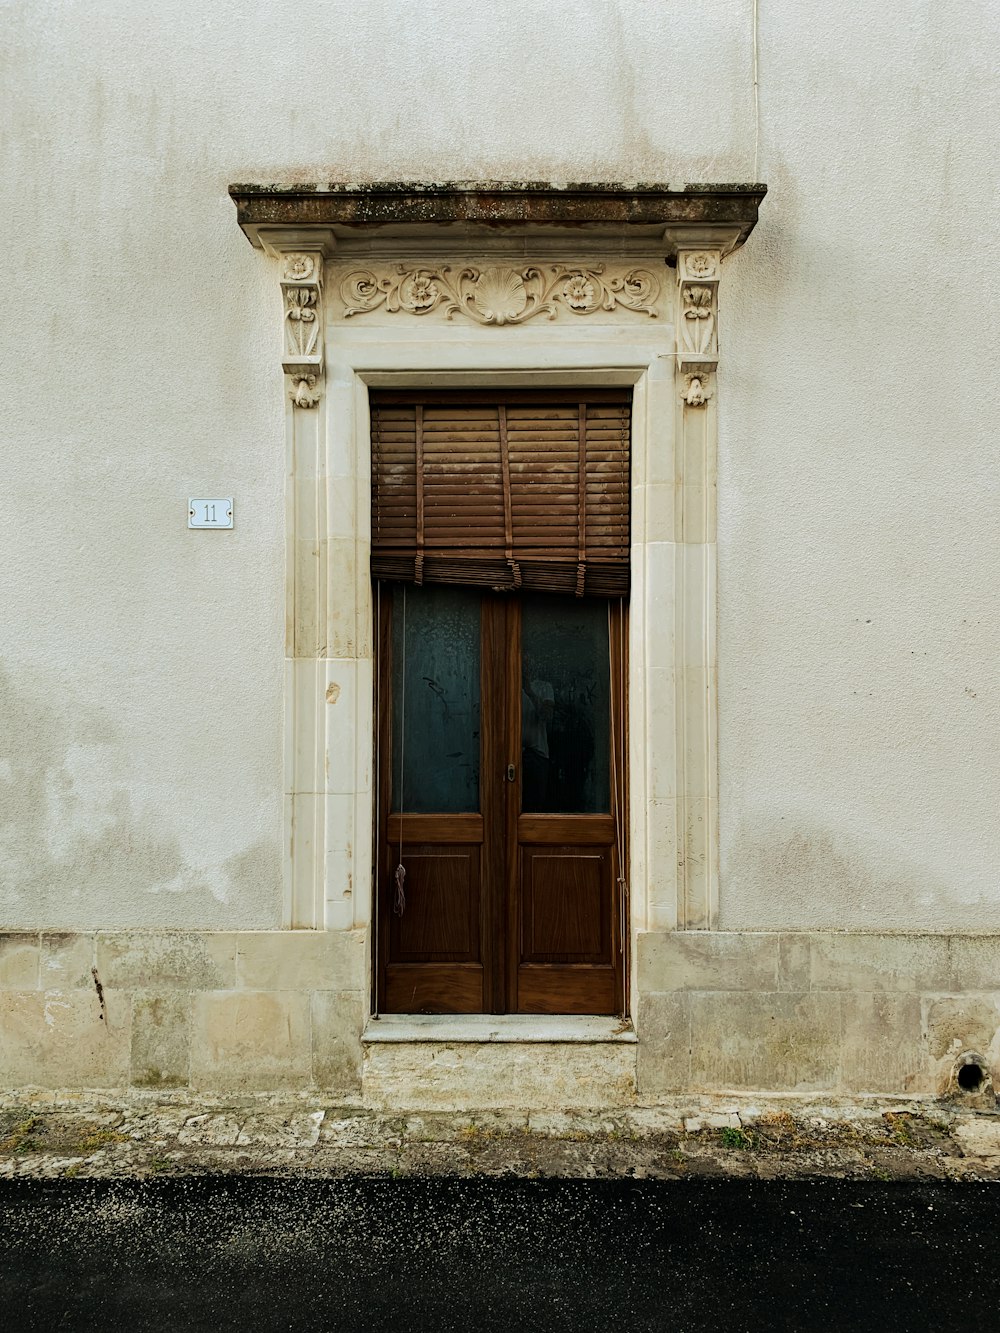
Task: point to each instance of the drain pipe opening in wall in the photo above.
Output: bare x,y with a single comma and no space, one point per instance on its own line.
971,1076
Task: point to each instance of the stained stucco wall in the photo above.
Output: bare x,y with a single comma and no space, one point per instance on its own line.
859,480
141,663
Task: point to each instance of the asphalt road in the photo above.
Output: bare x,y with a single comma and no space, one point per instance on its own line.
361,1255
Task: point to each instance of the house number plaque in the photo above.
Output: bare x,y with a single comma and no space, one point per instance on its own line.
210,513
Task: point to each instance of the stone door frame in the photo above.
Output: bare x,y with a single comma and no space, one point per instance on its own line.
351,324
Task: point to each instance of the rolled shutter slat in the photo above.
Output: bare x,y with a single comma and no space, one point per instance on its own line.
502,490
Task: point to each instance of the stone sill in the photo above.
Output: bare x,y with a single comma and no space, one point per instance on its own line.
496,1028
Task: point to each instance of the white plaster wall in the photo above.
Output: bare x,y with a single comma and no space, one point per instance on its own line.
139,365
858,533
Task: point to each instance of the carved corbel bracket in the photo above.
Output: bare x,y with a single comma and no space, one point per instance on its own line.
698,252
698,273
302,297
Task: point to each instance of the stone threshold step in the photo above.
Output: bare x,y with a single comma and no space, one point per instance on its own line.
474,1028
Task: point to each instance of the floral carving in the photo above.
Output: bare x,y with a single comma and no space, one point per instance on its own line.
578,292
698,325
421,292
299,267
695,393
500,295
301,324
304,392
700,265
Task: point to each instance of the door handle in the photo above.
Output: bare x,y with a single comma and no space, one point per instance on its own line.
510,772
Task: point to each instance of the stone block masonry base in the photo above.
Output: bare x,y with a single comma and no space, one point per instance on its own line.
788,1013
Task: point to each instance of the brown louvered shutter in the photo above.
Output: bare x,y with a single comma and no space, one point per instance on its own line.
524,489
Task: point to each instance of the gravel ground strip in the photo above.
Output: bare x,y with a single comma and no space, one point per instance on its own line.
50,1135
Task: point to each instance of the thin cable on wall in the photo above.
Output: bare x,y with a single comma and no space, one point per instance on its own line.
616,652
399,903
378,775
756,97
619,726
381,666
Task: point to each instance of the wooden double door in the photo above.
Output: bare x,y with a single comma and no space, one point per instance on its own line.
500,780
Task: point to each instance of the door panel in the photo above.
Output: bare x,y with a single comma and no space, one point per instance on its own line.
434,949
563,988
565,904
497,798
567,954
433,988
440,916
436,828
565,703
436,695
598,829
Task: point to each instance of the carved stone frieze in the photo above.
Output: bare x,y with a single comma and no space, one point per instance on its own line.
302,293
501,294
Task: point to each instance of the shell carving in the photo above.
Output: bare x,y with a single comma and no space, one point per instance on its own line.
499,295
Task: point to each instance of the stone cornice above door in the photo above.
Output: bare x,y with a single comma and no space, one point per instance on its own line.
391,219
495,253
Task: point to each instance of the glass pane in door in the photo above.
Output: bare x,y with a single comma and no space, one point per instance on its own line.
565,685
435,700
